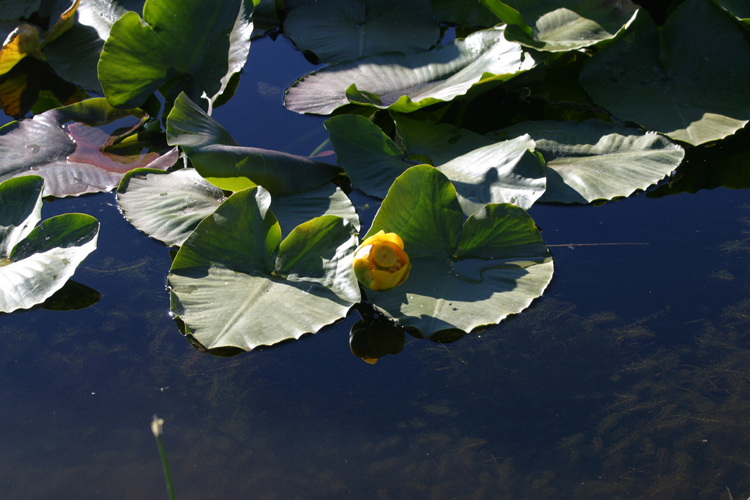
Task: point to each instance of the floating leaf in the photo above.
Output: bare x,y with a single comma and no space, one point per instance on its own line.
337,31
482,170
556,25
687,80
406,82
594,160
42,146
464,274
36,262
220,160
190,46
167,206
235,283
75,55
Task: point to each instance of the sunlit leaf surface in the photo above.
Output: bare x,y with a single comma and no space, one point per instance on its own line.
593,160
36,262
464,274
235,283
192,46
406,82
558,25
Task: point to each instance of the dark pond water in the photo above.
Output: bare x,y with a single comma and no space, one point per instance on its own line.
629,378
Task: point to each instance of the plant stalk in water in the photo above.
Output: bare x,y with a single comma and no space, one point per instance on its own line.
156,428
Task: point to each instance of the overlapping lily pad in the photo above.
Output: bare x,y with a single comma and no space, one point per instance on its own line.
464,274
558,25
406,82
338,31
236,283
35,262
169,206
595,160
189,46
687,79
75,55
227,165
80,158
483,171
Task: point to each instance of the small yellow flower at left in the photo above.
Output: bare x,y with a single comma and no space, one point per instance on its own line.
380,262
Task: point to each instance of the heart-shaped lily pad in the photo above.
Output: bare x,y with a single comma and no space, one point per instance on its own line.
235,283
464,274
36,262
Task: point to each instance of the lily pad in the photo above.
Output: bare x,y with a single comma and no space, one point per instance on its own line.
558,25
167,206
464,274
75,54
189,46
36,262
235,283
688,80
336,31
221,161
406,82
77,159
594,160
482,170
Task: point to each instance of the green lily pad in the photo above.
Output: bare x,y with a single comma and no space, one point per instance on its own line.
406,82
189,46
482,170
688,80
79,158
464,274
36,262
336,31
220,160
594,160
75,54
167,206
557,25
235,283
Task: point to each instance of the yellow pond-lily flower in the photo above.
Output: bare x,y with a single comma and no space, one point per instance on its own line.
380,262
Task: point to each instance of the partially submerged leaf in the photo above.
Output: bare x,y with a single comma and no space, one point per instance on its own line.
234,283
36,262
189,46
23,41
220,160
406,82
337,31
42,146
464,274
688,80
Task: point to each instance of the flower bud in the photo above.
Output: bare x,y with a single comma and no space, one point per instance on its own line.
380,262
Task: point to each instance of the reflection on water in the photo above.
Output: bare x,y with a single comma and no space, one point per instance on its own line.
630,378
